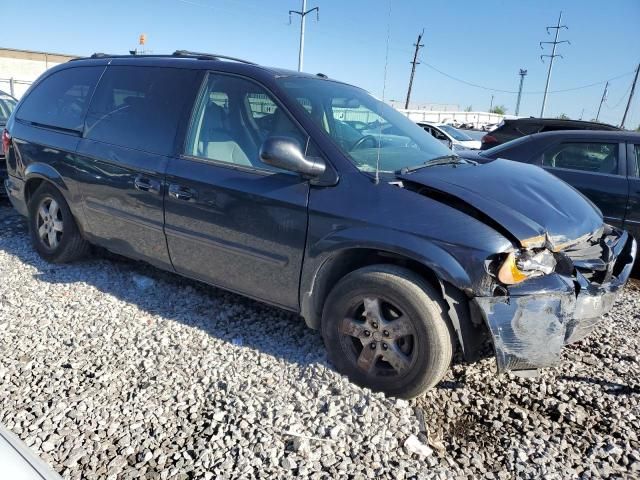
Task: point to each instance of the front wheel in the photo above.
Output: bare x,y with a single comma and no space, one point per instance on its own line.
53,230
385,328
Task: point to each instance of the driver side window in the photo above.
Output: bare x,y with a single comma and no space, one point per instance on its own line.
232,119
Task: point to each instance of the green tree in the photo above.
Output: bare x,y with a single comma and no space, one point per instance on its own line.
469,108
499,109
563,116
638,129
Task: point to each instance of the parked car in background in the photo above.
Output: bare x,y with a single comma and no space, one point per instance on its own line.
489,127
247,178
510,129
603,165
19,462
456,138
7,104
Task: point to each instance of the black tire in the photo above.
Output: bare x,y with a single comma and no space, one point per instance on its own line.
68,244
399,295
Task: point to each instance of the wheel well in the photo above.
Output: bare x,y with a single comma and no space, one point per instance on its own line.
349,260
470,330
31,186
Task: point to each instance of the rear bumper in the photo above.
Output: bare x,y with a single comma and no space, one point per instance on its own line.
530,326
14,188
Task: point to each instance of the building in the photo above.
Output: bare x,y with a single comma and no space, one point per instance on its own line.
20,68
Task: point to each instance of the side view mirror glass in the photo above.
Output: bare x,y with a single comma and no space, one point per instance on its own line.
286,153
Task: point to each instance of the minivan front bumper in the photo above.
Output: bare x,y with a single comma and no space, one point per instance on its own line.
531,324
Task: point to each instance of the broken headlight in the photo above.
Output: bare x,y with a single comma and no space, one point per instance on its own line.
519,266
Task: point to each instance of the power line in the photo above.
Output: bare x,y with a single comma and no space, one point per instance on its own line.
552,57
471,84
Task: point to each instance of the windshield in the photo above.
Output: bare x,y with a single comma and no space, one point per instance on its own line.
7,104
455,133
387,138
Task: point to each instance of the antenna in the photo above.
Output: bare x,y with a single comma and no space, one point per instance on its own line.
384,88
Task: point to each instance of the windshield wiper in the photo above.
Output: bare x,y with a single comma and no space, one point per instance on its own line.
442,160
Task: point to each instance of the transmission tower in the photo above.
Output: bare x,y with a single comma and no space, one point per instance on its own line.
303,13
415,62
523,73
552,57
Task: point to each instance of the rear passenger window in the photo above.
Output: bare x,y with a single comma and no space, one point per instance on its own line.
61,99
139,107
589,157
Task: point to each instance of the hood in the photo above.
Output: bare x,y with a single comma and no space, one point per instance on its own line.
532,205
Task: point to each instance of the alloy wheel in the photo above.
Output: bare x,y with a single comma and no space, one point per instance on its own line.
49,223
379,338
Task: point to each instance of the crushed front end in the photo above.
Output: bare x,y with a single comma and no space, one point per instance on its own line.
530,321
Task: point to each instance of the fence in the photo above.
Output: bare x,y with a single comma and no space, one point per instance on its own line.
14,86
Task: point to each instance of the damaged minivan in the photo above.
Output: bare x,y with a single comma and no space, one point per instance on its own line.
313,196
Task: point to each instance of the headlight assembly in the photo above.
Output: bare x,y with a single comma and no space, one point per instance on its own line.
519,266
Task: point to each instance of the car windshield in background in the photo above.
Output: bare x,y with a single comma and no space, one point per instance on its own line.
7,104
455,133
389,139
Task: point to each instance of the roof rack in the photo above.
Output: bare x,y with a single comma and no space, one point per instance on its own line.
177,53
209,56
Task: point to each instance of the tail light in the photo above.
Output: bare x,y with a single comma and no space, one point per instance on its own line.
6,141
487,139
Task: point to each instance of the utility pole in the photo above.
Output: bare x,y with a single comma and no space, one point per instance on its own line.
553,55
491,105
633,88
523,73
303,13
604,97
415,62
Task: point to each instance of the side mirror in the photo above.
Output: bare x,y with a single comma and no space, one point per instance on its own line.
285,153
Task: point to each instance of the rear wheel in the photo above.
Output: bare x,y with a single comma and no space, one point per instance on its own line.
53,230
385,328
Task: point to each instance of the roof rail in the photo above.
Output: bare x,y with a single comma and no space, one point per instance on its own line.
209,56
177,53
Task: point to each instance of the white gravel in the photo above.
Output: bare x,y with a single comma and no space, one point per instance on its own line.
112,369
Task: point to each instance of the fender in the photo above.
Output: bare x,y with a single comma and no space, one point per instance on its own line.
46,172
323,253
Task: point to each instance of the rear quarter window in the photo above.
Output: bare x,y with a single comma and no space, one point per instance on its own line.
140,107
61,99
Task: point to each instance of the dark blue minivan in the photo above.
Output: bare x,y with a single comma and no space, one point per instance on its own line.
256,180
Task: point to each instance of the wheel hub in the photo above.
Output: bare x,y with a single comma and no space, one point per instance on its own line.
380,338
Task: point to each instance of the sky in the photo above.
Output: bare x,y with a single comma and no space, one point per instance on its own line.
479,42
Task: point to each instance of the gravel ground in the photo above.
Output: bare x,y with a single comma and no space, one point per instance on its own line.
112,369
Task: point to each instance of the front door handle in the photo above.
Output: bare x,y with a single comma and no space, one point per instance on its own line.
146,184
180,192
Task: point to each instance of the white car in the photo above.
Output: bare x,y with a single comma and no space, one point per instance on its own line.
18,462
447,133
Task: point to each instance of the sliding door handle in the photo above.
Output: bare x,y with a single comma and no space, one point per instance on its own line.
180,192
146,184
